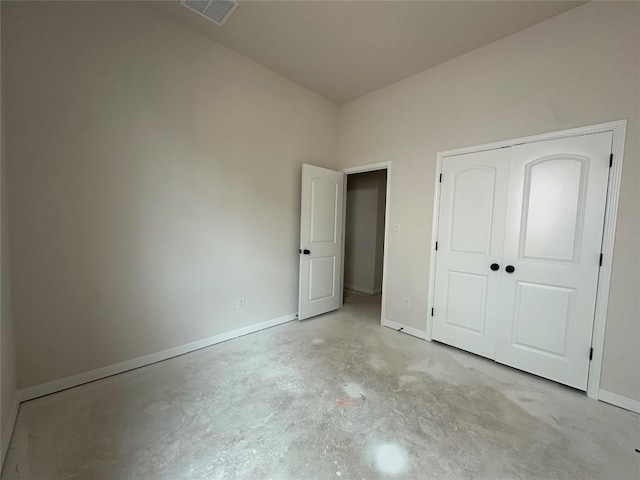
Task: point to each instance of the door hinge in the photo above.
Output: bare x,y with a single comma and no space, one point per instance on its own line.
432,310
436,246
440,178
611,160
591,354
601,255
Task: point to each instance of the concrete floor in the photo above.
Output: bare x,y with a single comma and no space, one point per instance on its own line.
333,397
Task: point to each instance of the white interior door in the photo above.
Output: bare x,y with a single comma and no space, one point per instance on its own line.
473,198
557,196
320,241
535,213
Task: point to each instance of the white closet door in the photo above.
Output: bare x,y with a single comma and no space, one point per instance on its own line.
557,194
470,239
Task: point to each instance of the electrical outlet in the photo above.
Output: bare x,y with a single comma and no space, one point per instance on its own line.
396,229
406,303
240,303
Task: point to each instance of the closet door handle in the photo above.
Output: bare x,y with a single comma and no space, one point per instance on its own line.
509,269
494,267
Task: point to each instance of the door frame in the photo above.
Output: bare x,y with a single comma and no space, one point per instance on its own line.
371,167
618,128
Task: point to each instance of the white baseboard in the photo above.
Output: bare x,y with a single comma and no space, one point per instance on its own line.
619,400
368,291
36,391
7,431
409,330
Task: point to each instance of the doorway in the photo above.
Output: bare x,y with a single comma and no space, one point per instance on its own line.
366,215
323,212
364,232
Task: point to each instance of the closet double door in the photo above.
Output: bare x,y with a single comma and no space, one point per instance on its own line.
517,264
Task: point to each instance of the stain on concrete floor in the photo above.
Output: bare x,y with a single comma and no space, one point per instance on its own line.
265,406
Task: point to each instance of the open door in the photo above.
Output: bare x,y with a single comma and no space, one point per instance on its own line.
321,214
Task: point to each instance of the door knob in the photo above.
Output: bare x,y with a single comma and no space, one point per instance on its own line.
494,267
509,269
305,251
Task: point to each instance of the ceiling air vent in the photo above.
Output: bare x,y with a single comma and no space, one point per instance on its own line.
218,11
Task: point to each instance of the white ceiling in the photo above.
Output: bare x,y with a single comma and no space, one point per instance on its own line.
345,49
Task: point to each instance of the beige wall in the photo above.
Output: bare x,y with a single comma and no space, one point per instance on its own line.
7,353
579,68
364,231
7,358
154,179
155,174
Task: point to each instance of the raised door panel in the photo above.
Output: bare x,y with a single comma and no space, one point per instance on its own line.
471,314
553,208
541,318
324,215
322,278
472,210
